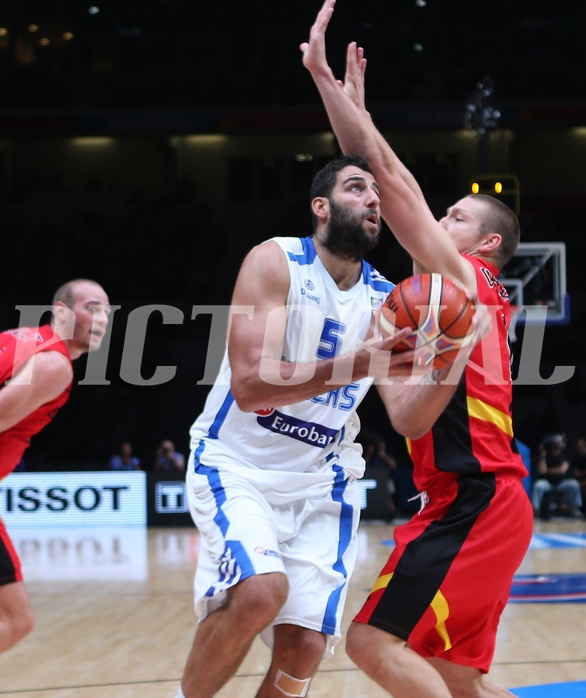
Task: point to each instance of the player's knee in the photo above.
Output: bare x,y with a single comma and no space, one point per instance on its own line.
357,642
353,643
25,624
15,627
305,647
270,588
313,645
262,596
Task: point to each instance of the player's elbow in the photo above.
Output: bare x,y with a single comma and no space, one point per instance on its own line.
247,394
410,426
243,397
246,405
406,420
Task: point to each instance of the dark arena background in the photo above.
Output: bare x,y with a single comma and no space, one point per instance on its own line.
149,145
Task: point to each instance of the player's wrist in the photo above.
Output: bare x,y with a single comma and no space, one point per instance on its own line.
433,377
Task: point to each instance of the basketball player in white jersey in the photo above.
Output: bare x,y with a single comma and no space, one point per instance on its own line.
273,467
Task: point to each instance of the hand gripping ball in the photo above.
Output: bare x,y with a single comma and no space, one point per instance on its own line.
439,311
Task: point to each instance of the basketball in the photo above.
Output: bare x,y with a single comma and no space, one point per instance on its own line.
437,308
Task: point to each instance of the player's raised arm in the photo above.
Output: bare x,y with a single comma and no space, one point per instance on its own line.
402,203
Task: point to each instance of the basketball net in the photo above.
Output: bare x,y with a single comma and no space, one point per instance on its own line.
515,312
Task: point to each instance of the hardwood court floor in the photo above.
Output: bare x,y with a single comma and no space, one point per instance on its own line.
115,618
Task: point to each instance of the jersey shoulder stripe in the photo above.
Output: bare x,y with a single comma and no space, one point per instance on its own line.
371,277
307,255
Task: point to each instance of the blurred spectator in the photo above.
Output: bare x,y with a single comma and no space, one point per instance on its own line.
168,459
125,460
553,476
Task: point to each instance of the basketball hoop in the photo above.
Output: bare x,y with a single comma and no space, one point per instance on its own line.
515,312
536,276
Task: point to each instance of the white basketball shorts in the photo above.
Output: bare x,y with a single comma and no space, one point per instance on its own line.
301,524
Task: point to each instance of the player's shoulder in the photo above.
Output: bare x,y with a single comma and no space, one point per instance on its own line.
274,255
265,256
49,373
299,249
53,373
53,362
263,273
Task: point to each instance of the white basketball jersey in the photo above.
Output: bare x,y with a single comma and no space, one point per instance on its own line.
322,322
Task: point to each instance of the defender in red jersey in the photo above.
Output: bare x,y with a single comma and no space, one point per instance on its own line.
429,626
35,381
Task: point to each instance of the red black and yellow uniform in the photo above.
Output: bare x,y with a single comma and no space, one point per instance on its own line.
16,347
448,579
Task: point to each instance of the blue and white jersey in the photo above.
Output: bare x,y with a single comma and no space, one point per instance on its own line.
322,322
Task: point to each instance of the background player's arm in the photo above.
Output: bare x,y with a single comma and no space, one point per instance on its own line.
260,378
402,204
40,379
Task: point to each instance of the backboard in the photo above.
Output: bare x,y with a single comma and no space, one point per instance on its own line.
536,276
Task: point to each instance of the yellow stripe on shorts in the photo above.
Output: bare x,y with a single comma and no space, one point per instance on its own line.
439,606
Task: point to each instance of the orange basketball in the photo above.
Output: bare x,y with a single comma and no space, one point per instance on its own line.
438,310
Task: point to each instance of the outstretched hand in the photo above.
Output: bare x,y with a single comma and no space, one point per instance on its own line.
314,50
315,60
354,77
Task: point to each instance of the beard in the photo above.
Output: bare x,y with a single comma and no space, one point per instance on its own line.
345,235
